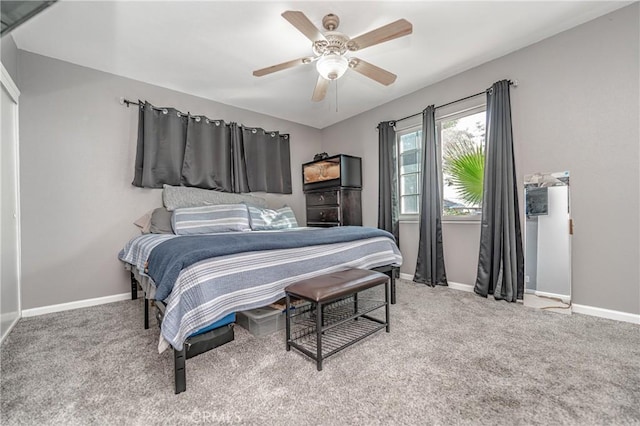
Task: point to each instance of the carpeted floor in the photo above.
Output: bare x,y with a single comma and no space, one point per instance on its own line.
451,358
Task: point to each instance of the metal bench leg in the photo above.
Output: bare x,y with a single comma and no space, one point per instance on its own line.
319,336
386,305
288,322
355,304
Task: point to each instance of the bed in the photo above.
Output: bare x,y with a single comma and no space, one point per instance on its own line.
197,280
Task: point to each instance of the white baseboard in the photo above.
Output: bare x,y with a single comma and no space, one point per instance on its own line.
579,309
13,323
461,287
77,304
564,297
453,285
606,313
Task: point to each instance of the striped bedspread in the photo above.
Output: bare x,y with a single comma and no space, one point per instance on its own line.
137,251
213,288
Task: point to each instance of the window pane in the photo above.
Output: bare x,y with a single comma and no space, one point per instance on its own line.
409,204
409,184
410,161
463,142
409,165
408,142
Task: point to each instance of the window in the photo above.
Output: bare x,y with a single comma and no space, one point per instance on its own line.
410,161
462,141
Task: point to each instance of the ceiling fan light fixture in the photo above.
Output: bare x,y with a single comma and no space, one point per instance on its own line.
332,66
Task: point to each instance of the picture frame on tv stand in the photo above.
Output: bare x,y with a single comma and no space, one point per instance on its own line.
337,171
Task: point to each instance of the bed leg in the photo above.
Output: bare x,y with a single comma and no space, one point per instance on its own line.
392,278
391,273
134,287
146,312
179,370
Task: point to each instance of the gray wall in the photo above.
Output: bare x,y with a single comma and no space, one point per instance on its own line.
9,54
77,148
576,109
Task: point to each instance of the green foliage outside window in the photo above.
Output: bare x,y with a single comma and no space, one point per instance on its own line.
463,167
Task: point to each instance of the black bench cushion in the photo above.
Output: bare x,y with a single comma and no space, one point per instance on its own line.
325,288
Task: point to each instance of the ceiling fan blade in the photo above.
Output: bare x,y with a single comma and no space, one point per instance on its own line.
396,29
372,71
321,89
303,24
283,66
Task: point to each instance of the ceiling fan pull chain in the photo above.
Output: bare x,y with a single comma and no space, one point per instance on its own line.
336,95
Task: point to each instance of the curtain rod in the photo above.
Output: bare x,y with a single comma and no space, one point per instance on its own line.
124,101
128,102
513,83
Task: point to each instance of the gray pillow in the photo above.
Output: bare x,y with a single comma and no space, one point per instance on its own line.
175,197
161,221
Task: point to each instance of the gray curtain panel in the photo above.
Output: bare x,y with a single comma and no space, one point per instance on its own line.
208,155
430,268
388,200
239,179
161,143
179,149
501,260
268,162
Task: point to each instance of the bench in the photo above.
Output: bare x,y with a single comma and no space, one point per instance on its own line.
335,316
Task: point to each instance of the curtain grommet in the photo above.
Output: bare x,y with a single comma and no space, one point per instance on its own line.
217,123
197,119
165,111
254,131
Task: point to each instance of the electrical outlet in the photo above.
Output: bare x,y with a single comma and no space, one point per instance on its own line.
526,278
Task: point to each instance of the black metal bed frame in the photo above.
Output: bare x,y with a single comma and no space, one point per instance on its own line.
201,343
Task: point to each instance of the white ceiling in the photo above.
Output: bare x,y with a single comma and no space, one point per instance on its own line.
210,48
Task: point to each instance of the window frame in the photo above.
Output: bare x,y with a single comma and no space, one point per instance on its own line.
414,127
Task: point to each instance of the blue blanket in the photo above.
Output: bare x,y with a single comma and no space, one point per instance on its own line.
170,257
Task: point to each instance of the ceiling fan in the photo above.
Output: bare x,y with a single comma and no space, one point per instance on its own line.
330,50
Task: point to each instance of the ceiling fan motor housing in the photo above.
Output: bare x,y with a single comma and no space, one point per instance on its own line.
330,22
335,43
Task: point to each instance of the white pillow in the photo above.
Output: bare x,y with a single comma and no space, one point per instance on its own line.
266,219
144,222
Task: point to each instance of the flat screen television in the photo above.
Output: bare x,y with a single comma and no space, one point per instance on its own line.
337,171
